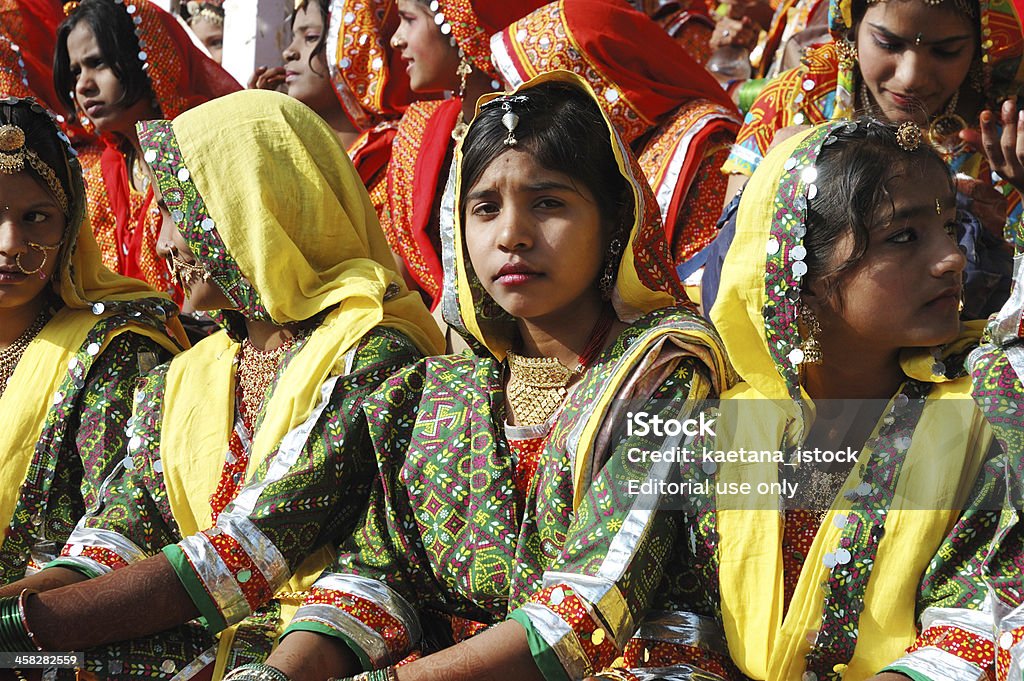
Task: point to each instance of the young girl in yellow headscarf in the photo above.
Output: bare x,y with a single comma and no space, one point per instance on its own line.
505,501
249,456
73,339
839,307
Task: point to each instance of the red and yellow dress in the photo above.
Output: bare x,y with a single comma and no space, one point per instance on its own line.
124,217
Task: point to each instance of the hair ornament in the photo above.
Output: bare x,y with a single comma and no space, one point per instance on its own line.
909,136
510,119
70,7
14,154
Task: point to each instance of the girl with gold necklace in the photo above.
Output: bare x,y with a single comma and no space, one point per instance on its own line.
502,502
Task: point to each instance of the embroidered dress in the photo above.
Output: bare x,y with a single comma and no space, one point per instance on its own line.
450,545
887,581
823,88
674,115
65,407
125,219
247,506
996,369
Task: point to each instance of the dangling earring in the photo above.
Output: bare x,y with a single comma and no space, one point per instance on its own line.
810,345
611,268
847,50
463,71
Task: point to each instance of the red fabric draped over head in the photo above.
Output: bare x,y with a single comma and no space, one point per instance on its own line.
473,23
637,69
665,105
26,57
367,73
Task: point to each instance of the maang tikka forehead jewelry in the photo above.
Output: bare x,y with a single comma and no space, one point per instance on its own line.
510,119
14,154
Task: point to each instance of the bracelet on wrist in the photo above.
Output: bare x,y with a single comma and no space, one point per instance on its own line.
15,634
256,671
386,674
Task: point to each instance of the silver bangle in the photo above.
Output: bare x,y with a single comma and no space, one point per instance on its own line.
256,671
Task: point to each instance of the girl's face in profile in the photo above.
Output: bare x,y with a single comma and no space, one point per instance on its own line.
431,60
905,290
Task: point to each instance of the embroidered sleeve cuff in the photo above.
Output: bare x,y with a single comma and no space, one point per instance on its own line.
378,624
94,552
238,567
955,644
190,580
568,624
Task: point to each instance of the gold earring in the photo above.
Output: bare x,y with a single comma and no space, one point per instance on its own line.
810,345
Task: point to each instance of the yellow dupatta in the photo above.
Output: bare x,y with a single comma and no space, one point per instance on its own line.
89,294
764,641
305,236
645,282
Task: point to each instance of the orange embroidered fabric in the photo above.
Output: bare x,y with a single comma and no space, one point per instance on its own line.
414,179
690,190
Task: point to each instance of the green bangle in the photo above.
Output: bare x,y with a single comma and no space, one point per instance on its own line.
14,635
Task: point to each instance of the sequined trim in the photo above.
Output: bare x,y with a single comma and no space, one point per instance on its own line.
377,619
100,550
287,454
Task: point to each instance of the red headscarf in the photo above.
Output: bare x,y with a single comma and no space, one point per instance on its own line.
473,23
640,73
368,75
30,27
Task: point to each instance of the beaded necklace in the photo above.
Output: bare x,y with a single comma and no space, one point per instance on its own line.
11,355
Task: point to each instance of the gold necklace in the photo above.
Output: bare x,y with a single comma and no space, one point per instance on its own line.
537,385
257,370
11,355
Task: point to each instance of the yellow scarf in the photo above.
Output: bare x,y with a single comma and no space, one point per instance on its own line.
645,282
312,246
82,282
948,445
